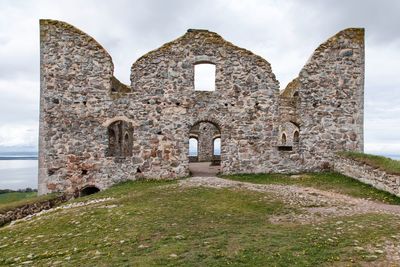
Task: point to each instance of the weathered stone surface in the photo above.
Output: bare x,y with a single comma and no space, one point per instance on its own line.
80,100
368,175
331,94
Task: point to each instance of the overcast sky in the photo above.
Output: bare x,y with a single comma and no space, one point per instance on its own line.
283,32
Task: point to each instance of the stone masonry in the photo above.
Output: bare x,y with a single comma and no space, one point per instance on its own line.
208,132
369,175
95,131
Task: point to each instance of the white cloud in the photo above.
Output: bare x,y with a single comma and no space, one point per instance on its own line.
383,148
18,135
19,102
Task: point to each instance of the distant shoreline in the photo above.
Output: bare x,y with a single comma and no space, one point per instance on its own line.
19,158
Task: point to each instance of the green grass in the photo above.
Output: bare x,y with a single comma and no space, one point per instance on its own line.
388,165
9,201
329,181
160,224
15,196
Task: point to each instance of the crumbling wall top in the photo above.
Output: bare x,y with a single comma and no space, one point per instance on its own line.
207,38
291,88
351,35
354,34
63,26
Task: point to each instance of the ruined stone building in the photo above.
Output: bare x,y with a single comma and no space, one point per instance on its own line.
96,131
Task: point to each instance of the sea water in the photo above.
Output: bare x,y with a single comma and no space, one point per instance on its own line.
18,173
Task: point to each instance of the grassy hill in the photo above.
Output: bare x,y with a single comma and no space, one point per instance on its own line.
162,224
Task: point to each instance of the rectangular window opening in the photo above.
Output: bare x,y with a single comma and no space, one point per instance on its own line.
204,77
285,148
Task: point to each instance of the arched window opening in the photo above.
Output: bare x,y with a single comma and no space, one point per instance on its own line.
193,147
120,139
89,190
288,136
296,137
204,77
217,147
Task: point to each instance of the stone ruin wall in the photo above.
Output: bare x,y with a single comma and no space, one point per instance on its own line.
331,109
326,101
75,83
81,100
368,174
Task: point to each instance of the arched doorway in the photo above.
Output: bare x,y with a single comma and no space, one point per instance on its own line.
216,158
208,160
88,190
193,149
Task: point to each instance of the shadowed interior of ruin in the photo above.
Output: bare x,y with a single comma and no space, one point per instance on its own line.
88,190
120,139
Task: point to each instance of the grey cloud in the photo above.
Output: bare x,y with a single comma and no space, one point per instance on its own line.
283,32
380,18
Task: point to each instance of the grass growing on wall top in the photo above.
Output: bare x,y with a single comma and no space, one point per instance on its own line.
388,165
12,200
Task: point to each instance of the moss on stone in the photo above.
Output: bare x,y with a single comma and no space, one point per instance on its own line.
354,34
291,88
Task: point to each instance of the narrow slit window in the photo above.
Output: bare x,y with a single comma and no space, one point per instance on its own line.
204,77
296,137
283,139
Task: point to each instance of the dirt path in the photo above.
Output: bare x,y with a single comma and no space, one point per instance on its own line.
316,204
203,169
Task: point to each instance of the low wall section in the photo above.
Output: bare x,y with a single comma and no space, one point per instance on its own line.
28,209
368,174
